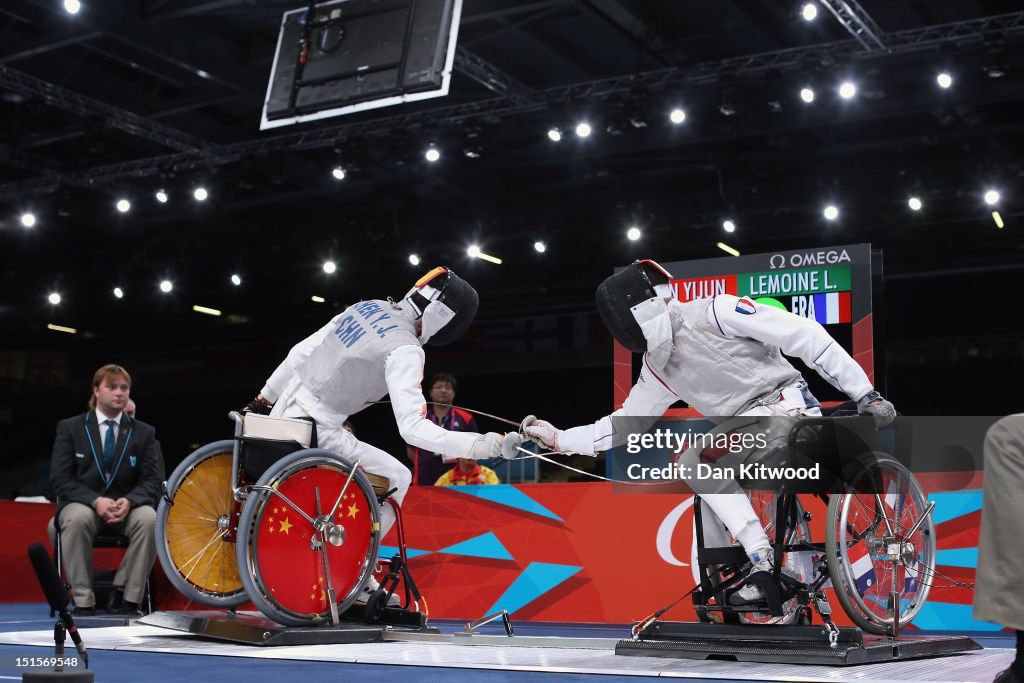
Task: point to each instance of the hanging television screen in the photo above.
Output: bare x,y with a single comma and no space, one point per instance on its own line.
347,56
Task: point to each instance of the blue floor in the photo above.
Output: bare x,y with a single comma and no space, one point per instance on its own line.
140,667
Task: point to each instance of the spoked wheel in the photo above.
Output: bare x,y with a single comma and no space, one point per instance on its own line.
193,530
858,542
795,564
294,551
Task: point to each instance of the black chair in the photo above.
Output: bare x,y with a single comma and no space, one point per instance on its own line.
101,583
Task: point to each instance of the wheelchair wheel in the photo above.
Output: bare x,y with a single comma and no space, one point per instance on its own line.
856,543
795,564
190,529
285,571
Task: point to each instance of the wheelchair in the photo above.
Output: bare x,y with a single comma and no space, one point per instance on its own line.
879,548
271,518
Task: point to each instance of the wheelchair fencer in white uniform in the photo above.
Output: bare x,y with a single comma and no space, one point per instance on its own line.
722,355
316,507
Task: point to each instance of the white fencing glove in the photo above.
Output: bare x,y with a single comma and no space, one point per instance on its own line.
541,431
486,446
510,445
877,407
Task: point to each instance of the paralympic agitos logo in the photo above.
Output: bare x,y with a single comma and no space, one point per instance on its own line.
809,258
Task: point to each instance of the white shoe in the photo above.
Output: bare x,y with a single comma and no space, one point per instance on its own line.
751,592
371,586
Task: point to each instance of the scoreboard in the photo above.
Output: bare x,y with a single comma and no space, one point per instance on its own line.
832,285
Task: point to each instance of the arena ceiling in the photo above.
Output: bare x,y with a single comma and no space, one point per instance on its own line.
124,98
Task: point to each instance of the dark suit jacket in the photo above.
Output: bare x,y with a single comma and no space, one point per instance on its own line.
76,465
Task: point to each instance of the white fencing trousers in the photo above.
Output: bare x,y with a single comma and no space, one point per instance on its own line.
732,513
371,459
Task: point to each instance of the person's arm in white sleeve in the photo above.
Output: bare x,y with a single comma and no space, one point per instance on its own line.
403,372
649,398
279,379
796,336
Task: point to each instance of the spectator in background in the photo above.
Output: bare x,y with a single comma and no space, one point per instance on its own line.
997,596
468,472
129,409
107,471
427,466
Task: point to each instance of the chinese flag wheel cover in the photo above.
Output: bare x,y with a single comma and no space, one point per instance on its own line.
289,569
194,540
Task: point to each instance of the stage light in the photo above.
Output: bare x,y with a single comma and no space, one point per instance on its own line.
54,298
201,194
161,196
992,197
236,280
998,219
123,205
633,233
728,226
807,95
914,203
583,129
166,286
28,219
432,154
809,11
61,328
118,293
847,90
727,249
72,6
330,267
338,173
414,259
206,311
831,212
554,135
677,116
540,247
473,251
944,80
317,299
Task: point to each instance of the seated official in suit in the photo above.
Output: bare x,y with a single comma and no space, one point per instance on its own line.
107,472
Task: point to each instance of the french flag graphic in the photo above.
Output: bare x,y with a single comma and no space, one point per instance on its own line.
861,566
832,308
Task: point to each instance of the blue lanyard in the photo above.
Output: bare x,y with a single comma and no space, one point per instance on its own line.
96,460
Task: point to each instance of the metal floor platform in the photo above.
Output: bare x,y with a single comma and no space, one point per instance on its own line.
538,654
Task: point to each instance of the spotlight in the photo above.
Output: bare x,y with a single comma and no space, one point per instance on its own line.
166,286
847,90
998,219
338,173
61,328
72,6
914,203
473,251
330,267
317,299
727,249
123,205
554,135
831,212
432,155
677,116
161,196
200,194
540,247
809,11
633,233
118,293
944,80
807,95
54,298
28,219
206,310
728,226
414,259
236,280
992,197
583,129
